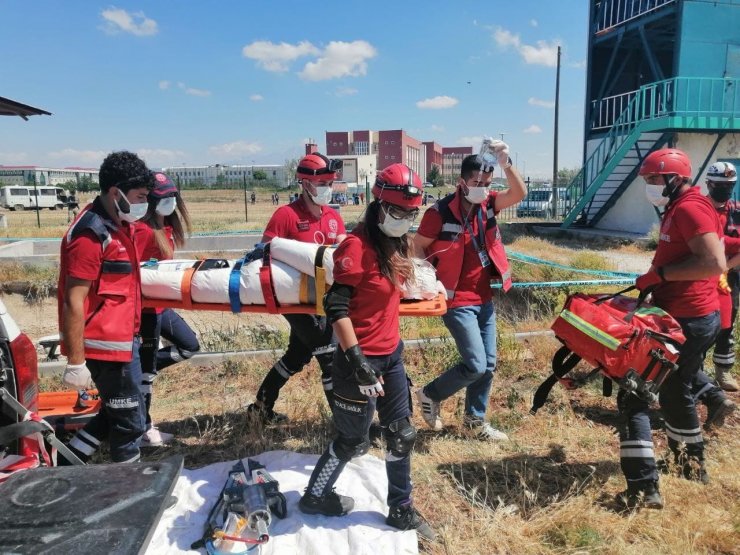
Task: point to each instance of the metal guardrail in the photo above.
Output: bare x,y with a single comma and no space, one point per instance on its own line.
611,13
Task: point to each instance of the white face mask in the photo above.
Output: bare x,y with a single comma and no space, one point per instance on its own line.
136,211
166,206
477,195
322,196
654,194
393,227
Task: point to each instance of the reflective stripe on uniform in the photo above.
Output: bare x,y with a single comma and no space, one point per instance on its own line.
726,359
686,436
451,228
109,345
636,448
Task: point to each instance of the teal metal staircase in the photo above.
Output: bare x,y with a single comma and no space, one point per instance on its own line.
646,124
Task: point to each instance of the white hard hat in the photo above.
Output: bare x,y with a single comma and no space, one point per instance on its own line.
722,172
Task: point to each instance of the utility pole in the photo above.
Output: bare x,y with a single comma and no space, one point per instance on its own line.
555,141
246,210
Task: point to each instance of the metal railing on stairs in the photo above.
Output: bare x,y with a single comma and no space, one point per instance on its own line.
611,13
678,103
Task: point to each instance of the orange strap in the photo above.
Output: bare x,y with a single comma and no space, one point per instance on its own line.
186,285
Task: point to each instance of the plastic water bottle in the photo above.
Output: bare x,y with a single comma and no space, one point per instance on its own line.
487,158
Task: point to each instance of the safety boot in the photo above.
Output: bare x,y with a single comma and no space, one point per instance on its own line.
717,412
725,379
330,504
695,471
406,517
635,497
265,415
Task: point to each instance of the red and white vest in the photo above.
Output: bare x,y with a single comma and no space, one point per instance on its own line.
450,243
113,305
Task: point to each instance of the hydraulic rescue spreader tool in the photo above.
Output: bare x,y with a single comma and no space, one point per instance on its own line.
240,520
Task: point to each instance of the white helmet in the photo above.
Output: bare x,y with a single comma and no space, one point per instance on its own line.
722,172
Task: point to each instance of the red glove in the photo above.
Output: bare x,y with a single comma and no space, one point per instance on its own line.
652,278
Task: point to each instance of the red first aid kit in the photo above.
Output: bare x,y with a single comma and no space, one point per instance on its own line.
631,342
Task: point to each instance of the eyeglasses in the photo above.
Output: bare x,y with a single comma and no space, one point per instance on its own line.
398,213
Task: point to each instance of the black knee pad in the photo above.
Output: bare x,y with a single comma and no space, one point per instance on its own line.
400,437
346,448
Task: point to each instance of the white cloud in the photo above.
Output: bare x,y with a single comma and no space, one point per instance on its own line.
539,102
340,59
164,85
276,57
237,149
437,128
542,53
197,92
256,97
506,38
533,22
578,65
532,129
73,156
181,84
437,103
117,20
346,91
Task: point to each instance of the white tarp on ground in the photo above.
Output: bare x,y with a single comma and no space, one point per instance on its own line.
362,532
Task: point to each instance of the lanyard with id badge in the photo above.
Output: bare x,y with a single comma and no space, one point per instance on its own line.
480,245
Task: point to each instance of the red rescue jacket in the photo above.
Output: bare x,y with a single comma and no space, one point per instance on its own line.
449,264
113,305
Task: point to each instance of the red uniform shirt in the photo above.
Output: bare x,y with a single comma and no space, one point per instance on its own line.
146,244
474,285
294,221
691,214
374,305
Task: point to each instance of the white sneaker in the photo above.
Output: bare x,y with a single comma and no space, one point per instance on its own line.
429,410
483,430
154,437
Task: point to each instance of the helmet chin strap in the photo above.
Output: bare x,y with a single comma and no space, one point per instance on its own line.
668,190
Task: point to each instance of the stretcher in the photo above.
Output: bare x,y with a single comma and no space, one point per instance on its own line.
285,277
68,410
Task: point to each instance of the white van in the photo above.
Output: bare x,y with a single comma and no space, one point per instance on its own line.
21,197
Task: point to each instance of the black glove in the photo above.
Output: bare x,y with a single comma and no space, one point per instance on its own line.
366,376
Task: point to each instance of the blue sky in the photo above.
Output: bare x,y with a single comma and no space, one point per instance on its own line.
250,81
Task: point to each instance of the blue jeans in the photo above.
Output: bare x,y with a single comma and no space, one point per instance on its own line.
474,330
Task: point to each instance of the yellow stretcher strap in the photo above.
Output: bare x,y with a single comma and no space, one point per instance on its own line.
320,278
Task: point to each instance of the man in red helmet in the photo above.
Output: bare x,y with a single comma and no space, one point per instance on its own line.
460,237
311,220
683,280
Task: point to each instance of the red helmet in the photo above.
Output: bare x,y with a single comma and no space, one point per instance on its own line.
317,167
398,184
667,161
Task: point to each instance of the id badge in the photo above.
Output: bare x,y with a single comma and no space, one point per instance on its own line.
484,260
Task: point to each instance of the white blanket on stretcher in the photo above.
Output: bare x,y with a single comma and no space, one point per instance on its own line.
361,532
290,261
